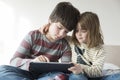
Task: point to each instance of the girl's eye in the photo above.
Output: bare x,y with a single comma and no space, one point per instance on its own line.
84,31
76,30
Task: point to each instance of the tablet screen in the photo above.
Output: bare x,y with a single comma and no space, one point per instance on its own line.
44,67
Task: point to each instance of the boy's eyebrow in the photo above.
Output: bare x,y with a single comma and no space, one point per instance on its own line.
64,27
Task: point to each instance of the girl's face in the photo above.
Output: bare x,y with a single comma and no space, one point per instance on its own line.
81,34
56,31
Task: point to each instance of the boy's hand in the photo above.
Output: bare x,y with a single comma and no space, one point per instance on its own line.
41,58
76,69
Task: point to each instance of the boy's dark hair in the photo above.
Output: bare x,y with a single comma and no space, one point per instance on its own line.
66,14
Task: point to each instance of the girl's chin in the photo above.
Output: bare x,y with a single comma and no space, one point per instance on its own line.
81,41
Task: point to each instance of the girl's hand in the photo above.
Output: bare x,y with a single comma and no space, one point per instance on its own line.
76,69
41,58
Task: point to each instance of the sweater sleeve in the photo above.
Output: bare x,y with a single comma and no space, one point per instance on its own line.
95,69
22,56
66,52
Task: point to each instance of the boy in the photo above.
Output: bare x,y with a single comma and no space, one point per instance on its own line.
48,47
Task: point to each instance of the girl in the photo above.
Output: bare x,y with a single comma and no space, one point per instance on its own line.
87,48
88,51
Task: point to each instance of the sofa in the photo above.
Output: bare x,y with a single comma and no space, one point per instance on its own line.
112,61
113,54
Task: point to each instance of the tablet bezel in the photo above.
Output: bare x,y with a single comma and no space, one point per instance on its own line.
45,67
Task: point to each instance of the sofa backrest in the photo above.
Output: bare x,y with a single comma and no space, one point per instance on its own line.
113,54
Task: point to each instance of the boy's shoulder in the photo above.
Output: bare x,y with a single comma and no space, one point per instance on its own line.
35,34
34,31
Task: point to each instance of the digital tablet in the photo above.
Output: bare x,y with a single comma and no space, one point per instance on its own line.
44,67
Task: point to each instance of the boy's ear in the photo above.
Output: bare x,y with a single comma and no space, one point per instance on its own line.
49,21
47,28
44,29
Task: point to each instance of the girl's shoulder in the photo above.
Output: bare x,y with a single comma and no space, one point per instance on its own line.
98,48
69,39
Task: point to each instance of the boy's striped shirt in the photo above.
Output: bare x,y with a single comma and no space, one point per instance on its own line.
35,44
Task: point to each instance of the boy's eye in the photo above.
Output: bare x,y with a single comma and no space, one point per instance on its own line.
66,31
59,27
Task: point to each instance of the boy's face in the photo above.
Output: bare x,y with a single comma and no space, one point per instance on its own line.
81,34
56,31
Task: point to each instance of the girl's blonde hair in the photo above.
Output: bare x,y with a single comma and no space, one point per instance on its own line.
89,21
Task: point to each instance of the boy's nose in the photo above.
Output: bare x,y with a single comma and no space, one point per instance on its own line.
62,33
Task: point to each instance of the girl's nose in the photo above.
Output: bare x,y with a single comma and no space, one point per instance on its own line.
79,33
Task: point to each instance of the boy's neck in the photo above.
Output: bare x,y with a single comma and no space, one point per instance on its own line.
49,37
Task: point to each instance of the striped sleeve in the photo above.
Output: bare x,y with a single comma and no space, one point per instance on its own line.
95,70
67,53
21,57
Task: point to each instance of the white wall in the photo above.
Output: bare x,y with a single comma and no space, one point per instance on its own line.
17,17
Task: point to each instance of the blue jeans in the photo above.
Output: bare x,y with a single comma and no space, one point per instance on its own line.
77,77
14,73
112,77
53,76
83,77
